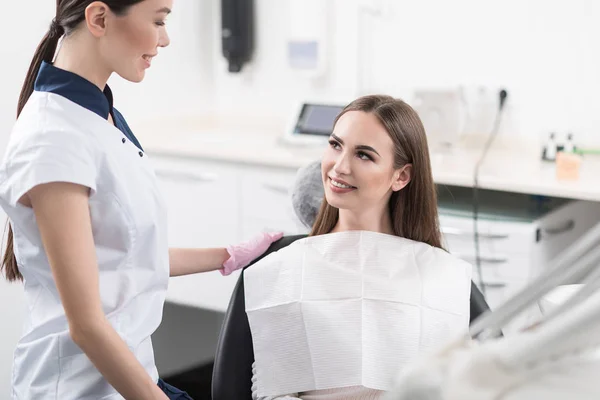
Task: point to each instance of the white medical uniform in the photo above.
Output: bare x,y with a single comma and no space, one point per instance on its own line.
62,135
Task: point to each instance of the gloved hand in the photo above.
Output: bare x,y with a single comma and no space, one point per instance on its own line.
240,255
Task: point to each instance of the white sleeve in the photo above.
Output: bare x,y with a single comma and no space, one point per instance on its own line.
293,396
47,156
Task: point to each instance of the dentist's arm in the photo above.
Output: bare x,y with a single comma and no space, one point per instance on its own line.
192,261
63,216
227,260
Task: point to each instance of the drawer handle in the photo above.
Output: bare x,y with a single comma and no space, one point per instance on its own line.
187,176
494,285
493,260
483,259
276,188
447,230
567,226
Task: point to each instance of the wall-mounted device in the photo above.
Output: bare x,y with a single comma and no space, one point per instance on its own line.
442,113
312,122
237,32
309,21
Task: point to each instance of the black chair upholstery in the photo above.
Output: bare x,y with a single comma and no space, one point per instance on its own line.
232,373
478,303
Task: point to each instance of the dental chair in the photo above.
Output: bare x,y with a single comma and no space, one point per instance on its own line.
232,372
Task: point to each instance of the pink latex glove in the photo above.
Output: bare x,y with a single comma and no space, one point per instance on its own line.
240,255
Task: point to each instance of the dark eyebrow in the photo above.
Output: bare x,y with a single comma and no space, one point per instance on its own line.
359,147
367,148
165,10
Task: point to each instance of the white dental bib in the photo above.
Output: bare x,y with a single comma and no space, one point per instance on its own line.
351,309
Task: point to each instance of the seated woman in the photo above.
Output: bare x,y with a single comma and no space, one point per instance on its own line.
371,288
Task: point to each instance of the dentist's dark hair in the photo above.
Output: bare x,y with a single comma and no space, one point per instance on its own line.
413,209
69,15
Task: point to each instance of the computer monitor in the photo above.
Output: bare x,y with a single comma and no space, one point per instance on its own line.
312,122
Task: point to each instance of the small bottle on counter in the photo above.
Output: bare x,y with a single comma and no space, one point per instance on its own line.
550,148
569,146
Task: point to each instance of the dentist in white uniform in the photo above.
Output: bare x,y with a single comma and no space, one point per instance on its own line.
88,223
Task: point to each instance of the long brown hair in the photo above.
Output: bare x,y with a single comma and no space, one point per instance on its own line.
413,209
69,14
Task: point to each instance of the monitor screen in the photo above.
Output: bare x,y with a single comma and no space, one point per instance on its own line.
317,119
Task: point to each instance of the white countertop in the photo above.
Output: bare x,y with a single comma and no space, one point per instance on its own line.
509,166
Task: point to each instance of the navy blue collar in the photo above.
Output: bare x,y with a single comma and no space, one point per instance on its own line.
75,88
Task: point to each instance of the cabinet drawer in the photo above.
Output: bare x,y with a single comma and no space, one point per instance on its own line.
562,228
201,200
266,194
500,269
495,237
496,293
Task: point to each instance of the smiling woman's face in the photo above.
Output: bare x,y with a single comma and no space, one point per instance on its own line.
358,166
133,39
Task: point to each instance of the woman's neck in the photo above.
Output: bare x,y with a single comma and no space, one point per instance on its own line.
365,220
75,55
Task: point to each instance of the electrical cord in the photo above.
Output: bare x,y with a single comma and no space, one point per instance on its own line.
493,133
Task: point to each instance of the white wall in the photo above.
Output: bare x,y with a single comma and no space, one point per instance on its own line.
545,52
21,31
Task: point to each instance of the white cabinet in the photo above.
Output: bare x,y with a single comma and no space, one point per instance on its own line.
513,251
562,228
505,252
214,204
266,202
505,248
202,202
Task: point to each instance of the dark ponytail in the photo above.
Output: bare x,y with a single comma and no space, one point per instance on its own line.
44,52
69,14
